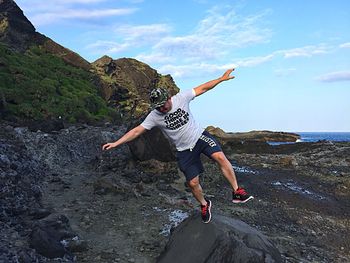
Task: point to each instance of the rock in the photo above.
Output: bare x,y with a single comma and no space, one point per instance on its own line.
110,184
39,213
152,145
77,245
49,125
66,54
15,29
158,167
47,235
126,83
222,240
262,136
18,33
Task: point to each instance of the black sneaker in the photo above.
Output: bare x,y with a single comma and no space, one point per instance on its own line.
206,212
241,196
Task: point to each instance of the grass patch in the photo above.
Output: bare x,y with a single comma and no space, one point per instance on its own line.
38,85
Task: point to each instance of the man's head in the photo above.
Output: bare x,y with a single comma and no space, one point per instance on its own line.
160,100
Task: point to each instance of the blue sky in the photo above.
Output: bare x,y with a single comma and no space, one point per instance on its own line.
292,58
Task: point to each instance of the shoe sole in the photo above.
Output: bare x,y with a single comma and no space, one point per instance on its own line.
206,222
244,201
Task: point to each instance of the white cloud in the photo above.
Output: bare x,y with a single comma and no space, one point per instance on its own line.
51,17
284,72
183,69
36,7
218,35
232,30
201,69
107,47
345,45
335,76
189,47
153,58
254,61
307,51
131,37
56,11
143,33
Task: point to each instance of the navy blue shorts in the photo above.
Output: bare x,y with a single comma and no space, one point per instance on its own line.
189,161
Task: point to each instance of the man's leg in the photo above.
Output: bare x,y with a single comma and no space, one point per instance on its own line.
197,191
226,168
198,194
239,195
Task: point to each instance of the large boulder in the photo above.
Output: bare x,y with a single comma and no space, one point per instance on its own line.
222,240
152,145
50,236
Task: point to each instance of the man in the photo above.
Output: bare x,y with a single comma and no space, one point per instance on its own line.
172,115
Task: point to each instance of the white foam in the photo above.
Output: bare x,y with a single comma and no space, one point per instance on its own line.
175,218
298,189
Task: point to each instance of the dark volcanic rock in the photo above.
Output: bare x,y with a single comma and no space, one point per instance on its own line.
222,240
256,136
18,33
152,145
48,234
15,29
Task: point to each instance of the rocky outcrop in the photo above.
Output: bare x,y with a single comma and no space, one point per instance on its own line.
67,55
256,136
27,159
222,240
15,29
17,32
125,209
126,83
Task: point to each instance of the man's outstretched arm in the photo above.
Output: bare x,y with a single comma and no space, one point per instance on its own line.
211,84
127,137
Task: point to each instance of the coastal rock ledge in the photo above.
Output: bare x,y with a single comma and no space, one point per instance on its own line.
223,240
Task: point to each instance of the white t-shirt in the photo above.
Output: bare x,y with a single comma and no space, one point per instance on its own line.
178,124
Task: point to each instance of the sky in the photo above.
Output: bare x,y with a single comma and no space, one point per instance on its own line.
291,58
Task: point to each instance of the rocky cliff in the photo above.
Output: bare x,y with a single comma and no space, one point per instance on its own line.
30,59
18,33
15,29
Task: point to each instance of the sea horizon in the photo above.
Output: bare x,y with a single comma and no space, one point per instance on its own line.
323,136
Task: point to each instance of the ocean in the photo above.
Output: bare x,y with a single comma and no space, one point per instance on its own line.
319,136
328,136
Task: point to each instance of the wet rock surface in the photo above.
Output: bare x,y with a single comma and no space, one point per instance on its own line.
116,209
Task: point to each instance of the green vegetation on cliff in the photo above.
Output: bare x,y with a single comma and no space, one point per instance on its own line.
37,85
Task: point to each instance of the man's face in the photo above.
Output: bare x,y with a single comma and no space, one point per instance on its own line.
166,107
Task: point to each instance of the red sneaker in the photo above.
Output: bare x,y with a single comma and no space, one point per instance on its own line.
206,212
241,196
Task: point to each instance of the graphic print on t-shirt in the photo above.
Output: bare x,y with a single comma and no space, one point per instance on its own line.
176,119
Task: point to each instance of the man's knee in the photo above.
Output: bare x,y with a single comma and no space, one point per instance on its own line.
219,157
193,182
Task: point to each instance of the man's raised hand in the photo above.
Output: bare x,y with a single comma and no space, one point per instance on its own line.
227,75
